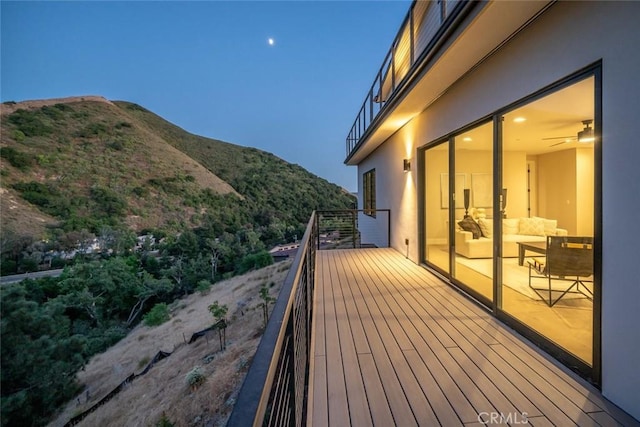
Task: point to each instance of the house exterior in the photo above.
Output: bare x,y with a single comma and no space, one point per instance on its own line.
520,117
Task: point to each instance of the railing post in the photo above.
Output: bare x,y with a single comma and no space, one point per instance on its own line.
353,228
371,105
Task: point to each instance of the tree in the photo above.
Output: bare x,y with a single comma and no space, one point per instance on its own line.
149,287
176,272
266,300
39,354
219,312
215,252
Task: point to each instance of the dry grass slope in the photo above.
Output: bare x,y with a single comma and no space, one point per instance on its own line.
163,390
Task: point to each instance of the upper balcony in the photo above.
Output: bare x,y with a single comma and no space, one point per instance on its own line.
423,27
438,42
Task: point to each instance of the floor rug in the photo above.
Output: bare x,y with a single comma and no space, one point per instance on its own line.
517,277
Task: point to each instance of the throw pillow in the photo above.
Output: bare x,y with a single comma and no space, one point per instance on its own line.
510,225
486,226
550,226
531,226
468,224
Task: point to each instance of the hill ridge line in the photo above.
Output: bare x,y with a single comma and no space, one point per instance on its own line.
9,107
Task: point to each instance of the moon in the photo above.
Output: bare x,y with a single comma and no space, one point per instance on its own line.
271,41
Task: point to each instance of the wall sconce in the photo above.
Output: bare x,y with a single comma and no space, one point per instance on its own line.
407,165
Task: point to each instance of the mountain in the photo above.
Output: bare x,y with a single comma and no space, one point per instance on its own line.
84,163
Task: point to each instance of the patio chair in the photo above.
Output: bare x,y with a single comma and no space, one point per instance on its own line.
567,259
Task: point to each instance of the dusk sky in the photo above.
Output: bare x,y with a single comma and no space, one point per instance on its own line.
209,67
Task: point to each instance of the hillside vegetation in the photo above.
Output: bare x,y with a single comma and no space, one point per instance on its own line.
94,165
118,162
164,390
141,214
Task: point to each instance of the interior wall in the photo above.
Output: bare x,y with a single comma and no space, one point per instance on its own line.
585,178
566,188
557,192
514,179
469,162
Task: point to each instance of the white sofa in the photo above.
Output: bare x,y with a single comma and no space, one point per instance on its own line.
514,230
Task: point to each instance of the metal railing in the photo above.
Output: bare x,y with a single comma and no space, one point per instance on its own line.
274,392
353,228
418,35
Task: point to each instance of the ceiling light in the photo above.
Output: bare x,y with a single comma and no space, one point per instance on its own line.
467,139
519,120
586,135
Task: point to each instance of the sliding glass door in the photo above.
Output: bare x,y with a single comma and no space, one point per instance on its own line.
437,242
548,173
473,164
511,214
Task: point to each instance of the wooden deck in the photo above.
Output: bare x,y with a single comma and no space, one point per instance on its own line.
394,345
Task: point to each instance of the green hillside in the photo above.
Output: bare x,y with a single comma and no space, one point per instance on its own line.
81,164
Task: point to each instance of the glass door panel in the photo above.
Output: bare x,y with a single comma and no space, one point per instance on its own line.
548,216
473,212
436,219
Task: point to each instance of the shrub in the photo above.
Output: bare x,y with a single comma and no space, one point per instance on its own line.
157,315
135,107
109,202
140,191
92,129
16,158
53,113
255,261
18,135
195,377
8,266
63,107
164,421
143,362
116,145
37,193
204,286
30,123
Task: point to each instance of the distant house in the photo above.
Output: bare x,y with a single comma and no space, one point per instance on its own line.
492,126
283,252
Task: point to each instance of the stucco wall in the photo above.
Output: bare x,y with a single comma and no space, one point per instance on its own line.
568,37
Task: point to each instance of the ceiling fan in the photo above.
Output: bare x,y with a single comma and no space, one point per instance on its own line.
585,135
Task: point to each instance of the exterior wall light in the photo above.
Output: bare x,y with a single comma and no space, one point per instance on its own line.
407,165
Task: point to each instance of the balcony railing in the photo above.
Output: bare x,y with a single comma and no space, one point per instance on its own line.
274,392
419,34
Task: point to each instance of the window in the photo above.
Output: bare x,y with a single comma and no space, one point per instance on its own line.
369,190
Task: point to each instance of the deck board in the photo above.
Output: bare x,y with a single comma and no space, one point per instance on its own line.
394,345
356,396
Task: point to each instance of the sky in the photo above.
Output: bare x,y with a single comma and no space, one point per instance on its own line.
208,66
